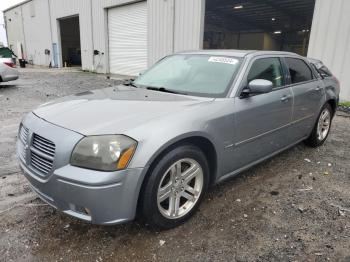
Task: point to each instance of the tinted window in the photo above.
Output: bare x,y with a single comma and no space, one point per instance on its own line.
268,69
299,71
324,71
316,70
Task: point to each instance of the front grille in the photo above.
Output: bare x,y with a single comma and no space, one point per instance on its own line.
44,146
23,137
41,164
23,134
42,154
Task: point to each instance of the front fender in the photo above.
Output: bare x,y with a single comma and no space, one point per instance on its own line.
148,150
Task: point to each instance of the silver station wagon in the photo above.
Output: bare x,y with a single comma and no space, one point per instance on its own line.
150,148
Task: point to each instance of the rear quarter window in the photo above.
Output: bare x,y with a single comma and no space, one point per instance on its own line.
324,71
299,71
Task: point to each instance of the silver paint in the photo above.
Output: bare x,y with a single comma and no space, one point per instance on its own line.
243,132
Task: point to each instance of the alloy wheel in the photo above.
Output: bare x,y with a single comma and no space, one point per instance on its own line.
324,123
180,188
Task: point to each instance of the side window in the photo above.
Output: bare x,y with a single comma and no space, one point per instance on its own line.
298,70
316,70
268,69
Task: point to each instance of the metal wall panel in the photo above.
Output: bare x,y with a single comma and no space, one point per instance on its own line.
163,17
127,31
160,29
64,8
189,23
173,25
37,32
330,40
99,14
14,25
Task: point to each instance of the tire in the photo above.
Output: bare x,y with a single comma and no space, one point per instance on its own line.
319,136
166,187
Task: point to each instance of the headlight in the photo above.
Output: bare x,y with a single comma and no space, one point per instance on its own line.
104,153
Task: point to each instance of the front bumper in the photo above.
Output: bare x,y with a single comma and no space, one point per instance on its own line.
98,197
103,198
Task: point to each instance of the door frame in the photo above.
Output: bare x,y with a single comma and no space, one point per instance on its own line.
59,39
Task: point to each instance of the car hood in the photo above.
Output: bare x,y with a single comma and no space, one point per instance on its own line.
113,110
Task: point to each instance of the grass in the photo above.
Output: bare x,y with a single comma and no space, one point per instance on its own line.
346,104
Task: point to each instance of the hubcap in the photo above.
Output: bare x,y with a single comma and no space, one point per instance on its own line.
324,123
180,188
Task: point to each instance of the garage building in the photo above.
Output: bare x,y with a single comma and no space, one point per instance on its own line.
126,37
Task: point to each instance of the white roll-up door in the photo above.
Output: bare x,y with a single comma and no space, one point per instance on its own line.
127,31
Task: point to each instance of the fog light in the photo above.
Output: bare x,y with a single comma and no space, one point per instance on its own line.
80,209
87,211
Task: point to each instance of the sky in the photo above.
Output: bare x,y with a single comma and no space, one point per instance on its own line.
4,4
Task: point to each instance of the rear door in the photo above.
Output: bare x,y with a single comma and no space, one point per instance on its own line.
308,93
262,121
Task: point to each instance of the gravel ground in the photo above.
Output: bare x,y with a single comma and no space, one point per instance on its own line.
294,207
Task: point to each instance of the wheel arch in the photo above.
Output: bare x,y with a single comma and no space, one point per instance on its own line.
202,142
332,97
196,139
333,103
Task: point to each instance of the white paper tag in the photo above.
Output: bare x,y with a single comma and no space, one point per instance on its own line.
222,59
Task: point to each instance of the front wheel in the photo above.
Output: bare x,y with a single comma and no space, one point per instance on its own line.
175,187
322,127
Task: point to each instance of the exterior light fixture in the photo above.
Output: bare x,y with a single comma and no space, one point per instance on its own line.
277,32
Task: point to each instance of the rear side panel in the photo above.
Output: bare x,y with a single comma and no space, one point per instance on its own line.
7,73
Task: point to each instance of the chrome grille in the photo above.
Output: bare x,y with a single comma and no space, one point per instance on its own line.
42,154
23,134
41,164
43,145
23,137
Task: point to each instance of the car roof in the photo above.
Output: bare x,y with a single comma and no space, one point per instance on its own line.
238,53
314,61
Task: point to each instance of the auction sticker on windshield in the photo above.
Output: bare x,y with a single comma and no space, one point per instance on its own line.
222,59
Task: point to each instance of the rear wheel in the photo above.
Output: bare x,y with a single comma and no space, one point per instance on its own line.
322,127
175,187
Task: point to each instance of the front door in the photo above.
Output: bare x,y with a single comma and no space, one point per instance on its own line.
262,121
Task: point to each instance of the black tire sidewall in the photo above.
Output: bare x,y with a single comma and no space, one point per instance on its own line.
150,211
313,139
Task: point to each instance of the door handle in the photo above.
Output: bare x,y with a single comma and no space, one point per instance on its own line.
285,98
318,88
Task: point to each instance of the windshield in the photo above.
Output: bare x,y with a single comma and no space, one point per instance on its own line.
200,75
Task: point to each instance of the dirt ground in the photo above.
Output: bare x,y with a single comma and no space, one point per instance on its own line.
294,207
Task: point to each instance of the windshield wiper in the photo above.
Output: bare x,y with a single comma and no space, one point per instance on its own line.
163,89
130,82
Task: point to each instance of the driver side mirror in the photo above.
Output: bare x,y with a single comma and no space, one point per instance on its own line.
257,86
